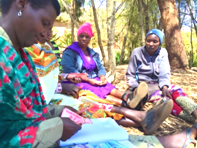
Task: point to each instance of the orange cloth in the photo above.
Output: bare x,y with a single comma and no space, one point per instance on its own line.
95,110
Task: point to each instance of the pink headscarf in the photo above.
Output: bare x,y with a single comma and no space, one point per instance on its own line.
85,28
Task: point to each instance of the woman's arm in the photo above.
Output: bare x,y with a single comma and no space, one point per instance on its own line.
164,70
68,61
131,71
100,67
164,74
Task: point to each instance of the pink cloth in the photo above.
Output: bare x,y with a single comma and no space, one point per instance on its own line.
176,92
85,28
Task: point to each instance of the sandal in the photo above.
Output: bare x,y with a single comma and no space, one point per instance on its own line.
142,103
124,104
156,116
134,99
189,140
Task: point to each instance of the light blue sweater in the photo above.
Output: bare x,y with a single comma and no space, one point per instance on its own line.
143,67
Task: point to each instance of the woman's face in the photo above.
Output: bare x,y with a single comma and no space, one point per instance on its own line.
34,25
83,40
152,43
47,38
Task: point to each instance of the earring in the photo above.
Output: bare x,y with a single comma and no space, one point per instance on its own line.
19,13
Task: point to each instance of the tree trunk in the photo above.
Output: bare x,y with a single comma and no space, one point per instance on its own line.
145,6
174,41
160,24
130,39
98,32
179,10
124,43
191,51
72,23
141,22
111,35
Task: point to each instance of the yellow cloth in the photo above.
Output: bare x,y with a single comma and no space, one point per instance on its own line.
88,94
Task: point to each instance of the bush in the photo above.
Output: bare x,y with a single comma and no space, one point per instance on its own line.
117,58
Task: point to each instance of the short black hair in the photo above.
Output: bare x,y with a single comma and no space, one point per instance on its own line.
36,4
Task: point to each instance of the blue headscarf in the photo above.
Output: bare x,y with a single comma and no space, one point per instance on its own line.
158,33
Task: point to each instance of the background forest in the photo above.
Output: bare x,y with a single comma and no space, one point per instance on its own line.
121,25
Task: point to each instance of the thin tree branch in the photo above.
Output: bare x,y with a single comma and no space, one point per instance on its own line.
98,32
67,10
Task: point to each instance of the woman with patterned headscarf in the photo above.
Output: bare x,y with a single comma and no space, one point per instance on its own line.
150,64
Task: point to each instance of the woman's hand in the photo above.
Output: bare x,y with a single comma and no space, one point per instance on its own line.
72,109
77,77
69,128
83,76
166,92
70,89
95,82
92,82
72,77
103,79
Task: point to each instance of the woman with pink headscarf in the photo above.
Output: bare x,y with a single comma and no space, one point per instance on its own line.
79,58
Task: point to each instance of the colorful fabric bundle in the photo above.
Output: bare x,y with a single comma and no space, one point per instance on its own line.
100,109
47,67
95,111
43,58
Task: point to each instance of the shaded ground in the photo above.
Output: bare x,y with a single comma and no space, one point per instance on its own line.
186,79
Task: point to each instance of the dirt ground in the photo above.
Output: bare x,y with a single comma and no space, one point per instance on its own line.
188,82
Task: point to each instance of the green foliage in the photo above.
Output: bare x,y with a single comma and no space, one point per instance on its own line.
132,14
54,37
128,11
63,17
62,6
125,61
94,42
117,57
61,41
78,5
65,40
187,37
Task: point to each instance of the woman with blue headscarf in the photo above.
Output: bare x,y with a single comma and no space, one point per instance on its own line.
150,64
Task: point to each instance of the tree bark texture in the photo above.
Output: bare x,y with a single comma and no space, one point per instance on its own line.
173,37
141,22
98,32
145,6
124,43
72,23
111,35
